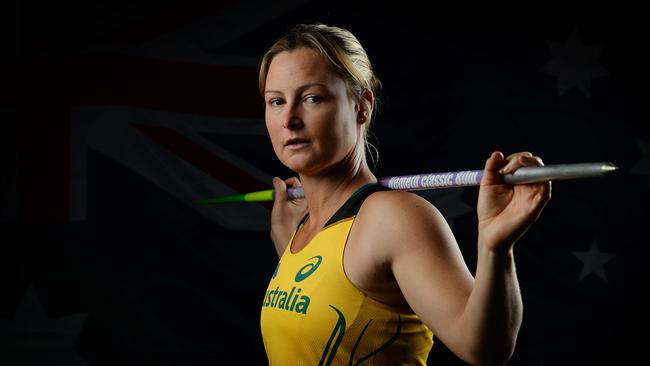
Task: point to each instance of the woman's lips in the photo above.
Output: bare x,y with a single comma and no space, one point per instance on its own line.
296,144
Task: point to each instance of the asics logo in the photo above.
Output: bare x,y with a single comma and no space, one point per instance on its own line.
308,268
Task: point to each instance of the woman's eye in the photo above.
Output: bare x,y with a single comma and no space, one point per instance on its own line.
313,98
274,102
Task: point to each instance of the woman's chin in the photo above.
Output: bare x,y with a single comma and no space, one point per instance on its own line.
300,166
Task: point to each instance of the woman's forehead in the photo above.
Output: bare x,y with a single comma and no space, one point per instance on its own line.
301,66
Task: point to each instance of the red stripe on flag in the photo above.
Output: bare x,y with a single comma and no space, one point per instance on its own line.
203,159
54,88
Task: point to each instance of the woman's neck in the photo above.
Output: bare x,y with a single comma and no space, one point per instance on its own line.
325,193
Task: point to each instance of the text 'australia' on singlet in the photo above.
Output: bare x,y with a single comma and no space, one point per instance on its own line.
313,315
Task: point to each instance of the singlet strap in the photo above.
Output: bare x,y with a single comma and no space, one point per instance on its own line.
353,204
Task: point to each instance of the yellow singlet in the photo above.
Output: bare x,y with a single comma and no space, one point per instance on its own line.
313,315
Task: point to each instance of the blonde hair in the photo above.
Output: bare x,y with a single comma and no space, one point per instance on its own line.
340,49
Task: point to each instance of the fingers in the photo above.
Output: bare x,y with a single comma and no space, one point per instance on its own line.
491,174
525,158
494,161
517,160
497,165
280,187
521,153
293,182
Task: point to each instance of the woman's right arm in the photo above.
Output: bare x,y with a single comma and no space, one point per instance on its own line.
286,213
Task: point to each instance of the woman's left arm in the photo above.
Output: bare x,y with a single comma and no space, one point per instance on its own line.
478,317
494,309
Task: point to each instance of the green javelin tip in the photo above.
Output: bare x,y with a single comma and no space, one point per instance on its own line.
258,196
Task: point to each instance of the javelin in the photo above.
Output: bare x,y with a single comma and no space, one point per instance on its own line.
523,175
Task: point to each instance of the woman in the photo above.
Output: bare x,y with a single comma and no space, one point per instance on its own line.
367,275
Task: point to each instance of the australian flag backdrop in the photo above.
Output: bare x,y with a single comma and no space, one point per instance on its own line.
117,115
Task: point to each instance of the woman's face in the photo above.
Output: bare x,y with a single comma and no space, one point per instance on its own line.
310,116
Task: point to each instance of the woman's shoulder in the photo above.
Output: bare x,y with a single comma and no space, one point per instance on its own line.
393,220
397,210
397,202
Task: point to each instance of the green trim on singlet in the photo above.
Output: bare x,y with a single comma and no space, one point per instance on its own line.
381,348
339,332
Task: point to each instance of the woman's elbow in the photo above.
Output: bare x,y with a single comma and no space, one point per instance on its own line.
492,355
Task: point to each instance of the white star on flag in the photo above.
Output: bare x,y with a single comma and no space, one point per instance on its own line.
32,329
574,64
593,261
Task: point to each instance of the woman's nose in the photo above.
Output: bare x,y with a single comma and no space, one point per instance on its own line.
292,119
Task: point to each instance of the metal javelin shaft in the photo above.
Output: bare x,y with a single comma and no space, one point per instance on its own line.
523,175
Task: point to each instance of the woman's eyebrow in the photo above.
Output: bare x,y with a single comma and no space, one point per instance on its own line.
300,88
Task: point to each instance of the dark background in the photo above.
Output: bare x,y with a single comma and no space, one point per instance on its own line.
118,114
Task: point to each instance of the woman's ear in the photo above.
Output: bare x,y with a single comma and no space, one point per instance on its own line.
362,116
366,105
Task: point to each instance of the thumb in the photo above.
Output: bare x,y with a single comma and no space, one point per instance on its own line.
279,189
491,175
